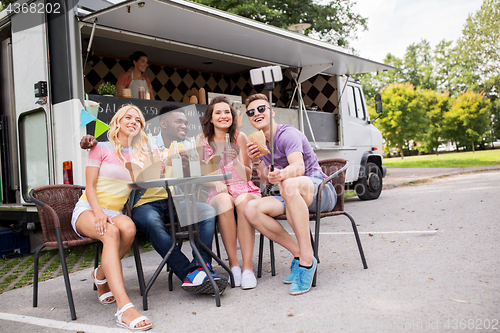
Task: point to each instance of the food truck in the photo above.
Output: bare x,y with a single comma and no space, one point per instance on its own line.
54,54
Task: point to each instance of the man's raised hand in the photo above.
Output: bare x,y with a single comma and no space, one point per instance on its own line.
87,142
253,152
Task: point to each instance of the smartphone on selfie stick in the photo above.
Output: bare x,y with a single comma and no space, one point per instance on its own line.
268,76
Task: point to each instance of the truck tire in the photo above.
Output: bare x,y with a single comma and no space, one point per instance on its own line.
369,186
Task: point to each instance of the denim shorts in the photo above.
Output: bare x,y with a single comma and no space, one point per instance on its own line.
328,197
82,206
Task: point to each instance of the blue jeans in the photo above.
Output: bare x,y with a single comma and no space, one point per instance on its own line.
151,217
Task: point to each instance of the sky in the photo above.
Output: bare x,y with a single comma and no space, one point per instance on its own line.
395,24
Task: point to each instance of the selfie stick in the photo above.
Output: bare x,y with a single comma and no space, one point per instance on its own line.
271,126
268,76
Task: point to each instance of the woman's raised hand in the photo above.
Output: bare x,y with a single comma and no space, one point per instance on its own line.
231,154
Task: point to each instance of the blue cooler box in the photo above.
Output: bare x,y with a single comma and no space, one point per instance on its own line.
12,245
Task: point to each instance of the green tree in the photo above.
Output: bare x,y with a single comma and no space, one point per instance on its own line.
473,65
415,68
480,43
467,121
445,69
395,76
404,116
5,3
371,86
492,90
435,105
374,83
478,57
468,78
333,22
418,65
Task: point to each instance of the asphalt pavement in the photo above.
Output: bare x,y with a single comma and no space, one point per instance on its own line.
432,253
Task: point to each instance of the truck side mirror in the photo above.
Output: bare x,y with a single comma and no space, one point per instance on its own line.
378,107
378,103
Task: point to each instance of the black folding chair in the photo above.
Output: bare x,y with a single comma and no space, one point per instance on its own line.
336,169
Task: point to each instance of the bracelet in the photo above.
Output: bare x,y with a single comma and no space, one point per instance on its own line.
260,161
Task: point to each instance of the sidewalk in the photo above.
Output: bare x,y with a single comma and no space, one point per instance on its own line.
431,252
400,176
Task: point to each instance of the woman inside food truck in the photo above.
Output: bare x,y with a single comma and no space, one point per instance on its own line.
135,79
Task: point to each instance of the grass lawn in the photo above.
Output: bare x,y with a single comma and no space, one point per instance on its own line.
18,272
447,160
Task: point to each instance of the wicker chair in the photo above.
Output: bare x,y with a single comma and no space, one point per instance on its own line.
336,168
55,204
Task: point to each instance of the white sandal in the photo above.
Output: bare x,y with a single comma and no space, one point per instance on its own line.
134,322
98,282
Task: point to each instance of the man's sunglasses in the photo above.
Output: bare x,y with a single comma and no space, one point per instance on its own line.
250,113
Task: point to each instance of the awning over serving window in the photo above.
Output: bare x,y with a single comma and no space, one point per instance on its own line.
194,31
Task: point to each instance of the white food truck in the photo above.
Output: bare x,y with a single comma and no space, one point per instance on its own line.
55,53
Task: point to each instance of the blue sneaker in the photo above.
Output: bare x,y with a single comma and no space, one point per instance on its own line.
303,279
198,282
293,271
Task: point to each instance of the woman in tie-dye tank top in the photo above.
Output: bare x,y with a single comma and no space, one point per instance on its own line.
98,213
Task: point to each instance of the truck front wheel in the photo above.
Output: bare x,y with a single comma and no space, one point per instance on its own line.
369,186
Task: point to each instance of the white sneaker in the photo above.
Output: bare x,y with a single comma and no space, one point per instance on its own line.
248,280
237,276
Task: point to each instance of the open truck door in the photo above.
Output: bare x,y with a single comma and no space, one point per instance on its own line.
41,89
26,154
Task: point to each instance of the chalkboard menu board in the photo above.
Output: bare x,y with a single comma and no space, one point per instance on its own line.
324,124
150,108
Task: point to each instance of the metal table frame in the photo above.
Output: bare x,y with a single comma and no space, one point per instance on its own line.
189,186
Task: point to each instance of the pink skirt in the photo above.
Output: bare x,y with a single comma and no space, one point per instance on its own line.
235,190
